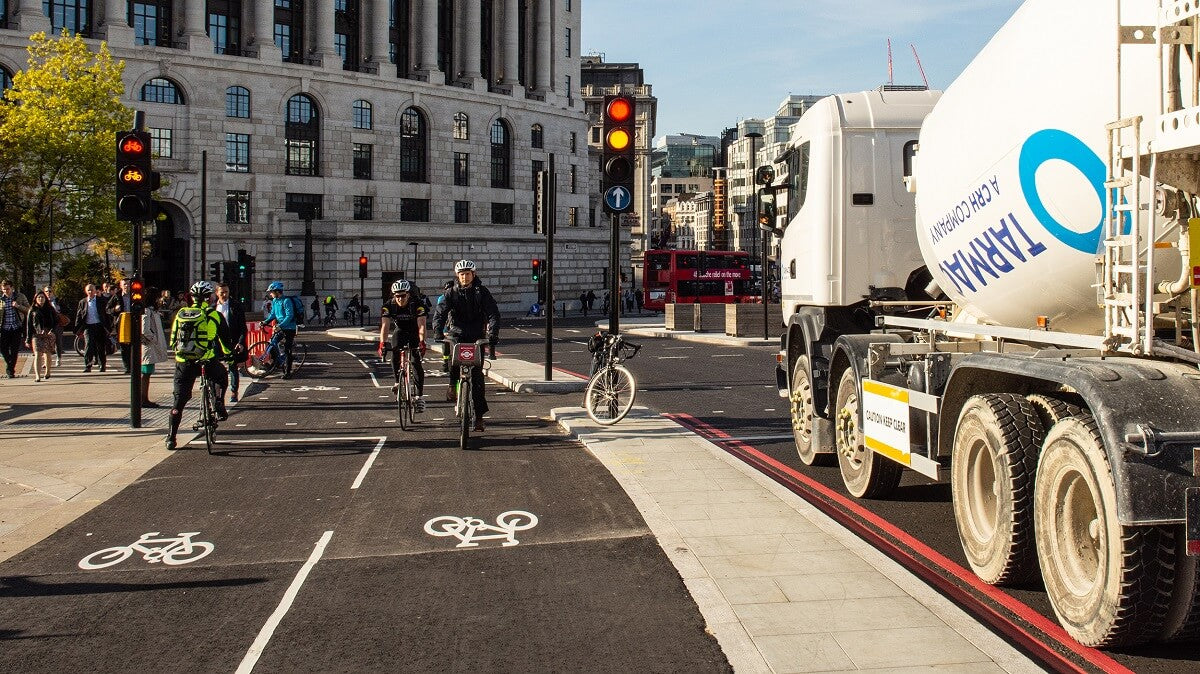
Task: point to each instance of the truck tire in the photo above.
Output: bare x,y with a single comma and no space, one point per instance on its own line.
1052,410
1183,620
865,473
1109,585
994,460
803,411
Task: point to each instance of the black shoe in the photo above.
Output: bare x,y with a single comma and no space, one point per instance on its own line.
479,426
104,368
170,442
150,403
222,414
87,368
233,397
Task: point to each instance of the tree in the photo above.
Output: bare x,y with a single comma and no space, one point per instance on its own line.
58,125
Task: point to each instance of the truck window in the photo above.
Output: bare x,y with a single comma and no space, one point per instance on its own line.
910,151
797,179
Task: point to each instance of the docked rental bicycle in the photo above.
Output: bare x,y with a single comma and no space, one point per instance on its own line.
262,361
406,393
466,356
610,391
207,423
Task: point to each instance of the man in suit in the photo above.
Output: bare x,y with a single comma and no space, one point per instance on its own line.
91,320
117,305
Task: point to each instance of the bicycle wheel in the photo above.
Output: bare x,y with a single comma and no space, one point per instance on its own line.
466,409
80,344
299,355
609,395
259,363
402,401
208,415
408,383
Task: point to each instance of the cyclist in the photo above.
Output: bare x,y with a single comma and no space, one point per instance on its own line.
199,336
331,308
283,314
402,323
469,313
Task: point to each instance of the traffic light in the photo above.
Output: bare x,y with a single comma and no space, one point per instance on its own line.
137,295
135,179
362,265
616,160
215,271
537,270
249,262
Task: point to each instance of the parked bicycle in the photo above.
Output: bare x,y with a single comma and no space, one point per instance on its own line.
466,356
264,361
406,394
611,389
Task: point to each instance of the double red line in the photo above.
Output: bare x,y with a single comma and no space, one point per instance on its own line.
1039,636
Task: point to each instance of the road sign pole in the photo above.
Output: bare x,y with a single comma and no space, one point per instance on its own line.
614,273
549,200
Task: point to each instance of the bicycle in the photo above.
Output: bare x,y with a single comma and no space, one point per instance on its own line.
611,389
261,364
406,395
466,357
207,423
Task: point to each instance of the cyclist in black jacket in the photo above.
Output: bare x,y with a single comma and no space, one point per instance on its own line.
469,313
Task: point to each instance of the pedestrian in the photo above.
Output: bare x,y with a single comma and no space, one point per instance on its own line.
316,309
39,334
235,316
91,321
583,307
163,304
61,322
106,292
119,304
469,314
607,300
154,351
13,307
637,301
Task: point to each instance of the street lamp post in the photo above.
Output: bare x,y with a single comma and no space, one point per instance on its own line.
753,165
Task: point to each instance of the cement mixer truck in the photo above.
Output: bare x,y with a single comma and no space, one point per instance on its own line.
996,287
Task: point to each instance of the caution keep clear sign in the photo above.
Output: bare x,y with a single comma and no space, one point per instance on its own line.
885,420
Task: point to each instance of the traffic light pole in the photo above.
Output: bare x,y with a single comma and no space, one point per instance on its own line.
614,284
135,336
550,208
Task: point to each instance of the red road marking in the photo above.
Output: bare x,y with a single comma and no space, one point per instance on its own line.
854,517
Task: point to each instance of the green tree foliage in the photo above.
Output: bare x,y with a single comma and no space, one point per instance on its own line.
58,126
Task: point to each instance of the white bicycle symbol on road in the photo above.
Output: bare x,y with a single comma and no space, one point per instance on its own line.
172,550
302,389
466,528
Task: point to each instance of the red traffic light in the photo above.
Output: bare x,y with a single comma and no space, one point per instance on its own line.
619,110
132,145
137,290
362,261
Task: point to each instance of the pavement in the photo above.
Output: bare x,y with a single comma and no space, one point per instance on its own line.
783,587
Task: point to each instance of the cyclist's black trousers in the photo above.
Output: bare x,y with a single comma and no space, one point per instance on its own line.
481,406
418,368
186,374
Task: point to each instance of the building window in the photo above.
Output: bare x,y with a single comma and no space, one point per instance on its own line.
413,142
596,134
567,46
398,36
237,152
567,4
346,35
501,155
461,123
303,204
161,90
363,208
462,163
502,214
573,141
151,23
445,39
303,131
237,102
573,216
536,136
289,29
237,207
462,212
225,26
362,161
160,143
414,210
574,179
74,15
362,114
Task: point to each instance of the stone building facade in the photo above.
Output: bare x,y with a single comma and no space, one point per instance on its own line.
389,122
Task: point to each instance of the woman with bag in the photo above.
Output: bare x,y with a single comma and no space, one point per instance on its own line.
154,350
39,334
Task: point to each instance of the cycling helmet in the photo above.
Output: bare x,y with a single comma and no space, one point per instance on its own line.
464,265
275,285
202,289
401,287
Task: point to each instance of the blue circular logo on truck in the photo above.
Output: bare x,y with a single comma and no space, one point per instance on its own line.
1049,144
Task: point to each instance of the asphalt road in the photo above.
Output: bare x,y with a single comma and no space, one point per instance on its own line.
730,392
334,546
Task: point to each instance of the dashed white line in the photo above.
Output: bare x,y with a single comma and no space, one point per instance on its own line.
367,466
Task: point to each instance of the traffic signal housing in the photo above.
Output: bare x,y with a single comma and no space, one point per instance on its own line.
362,266
216,271
617,157
137,295
537,270
135,177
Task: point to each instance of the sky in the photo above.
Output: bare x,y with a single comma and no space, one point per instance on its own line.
714,62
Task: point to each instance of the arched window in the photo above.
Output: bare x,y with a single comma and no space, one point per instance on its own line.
162,90
414,139
237,102
303,131
461,126
6,81
74,15
501,155
536,136
362,114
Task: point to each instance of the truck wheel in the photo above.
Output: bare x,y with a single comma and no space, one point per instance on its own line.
992,469
803,410
1052,410
1109,585
1183,620
865,473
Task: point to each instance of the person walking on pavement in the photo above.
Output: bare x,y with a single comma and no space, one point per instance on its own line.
13,307
402,323
39,334
119,304
235,316
61,323
91,321
583,305
200,338
468,314
154,351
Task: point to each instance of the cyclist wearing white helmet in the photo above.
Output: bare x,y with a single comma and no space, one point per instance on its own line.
283,314
200,337
469,313
402,323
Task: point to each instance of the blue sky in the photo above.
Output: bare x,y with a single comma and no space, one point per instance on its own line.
713,62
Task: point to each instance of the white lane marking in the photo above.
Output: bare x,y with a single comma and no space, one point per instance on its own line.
439,418
676,348
465,528
725,355
301,397
718,411
367,466
268,629
768,409
360,360
379,440
673,357
240,425
343,397
291,423
341,422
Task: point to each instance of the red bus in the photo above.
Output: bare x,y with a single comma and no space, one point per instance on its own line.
706,276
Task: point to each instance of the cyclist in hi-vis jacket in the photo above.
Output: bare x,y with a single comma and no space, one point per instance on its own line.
469,313
200,337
